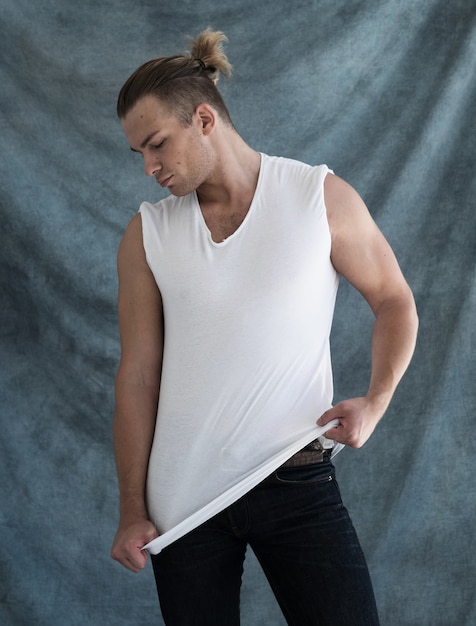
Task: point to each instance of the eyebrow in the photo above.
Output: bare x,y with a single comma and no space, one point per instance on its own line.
146,140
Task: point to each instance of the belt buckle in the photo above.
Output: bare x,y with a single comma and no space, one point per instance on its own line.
314,451
315,445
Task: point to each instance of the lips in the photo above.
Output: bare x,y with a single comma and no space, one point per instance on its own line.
163,182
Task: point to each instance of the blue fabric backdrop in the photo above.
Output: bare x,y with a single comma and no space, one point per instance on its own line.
384,92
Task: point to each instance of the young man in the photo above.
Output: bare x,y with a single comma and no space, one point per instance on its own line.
224,390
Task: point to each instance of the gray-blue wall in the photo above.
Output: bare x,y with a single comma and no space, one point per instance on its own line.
384,92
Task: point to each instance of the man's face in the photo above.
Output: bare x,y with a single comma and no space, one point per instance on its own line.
179,158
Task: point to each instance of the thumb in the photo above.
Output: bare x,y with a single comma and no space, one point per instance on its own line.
329,417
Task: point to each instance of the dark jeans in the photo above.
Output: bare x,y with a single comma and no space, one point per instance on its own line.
302,535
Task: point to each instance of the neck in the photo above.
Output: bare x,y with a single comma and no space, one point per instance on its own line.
226,196
235,175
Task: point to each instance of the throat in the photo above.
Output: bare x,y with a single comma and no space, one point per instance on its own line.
225,206
223,223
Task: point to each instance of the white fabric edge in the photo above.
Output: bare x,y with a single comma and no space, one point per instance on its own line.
226,499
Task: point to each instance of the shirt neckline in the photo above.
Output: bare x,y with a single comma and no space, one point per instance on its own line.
242,226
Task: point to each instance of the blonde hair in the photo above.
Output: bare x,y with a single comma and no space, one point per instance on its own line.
182,82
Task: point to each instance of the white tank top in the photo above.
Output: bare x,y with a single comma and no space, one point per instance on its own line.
246,367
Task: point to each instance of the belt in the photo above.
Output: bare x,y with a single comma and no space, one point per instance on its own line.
312,453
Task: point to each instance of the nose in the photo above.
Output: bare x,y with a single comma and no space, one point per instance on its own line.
151,166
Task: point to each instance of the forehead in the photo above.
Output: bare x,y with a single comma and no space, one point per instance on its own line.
147,115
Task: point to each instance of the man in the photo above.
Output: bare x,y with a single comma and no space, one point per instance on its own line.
226,296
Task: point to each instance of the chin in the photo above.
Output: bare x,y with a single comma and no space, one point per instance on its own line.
179,193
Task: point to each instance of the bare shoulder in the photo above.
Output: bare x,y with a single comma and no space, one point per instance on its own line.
345,207
131,248
137,285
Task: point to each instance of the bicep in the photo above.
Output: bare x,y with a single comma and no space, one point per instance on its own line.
139,309
359,251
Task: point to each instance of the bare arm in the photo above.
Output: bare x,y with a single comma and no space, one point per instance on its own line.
361,254
137,391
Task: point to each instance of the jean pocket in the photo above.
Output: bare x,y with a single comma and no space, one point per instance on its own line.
314,474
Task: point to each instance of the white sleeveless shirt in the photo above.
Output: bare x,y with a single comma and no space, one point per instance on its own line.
246,367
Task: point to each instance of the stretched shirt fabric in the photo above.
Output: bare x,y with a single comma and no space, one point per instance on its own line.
246,366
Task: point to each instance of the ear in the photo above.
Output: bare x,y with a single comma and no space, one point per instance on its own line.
206,117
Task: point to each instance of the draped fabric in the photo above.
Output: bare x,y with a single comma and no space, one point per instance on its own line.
384,92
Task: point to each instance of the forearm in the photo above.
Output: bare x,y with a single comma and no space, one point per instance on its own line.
393,343
134,423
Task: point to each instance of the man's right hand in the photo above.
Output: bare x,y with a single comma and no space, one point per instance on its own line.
128,543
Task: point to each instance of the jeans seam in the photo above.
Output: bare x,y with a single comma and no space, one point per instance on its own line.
240,533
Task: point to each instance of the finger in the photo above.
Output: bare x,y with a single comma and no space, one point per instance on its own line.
134,566
133,559
338,434
135,563
333,433
328,416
